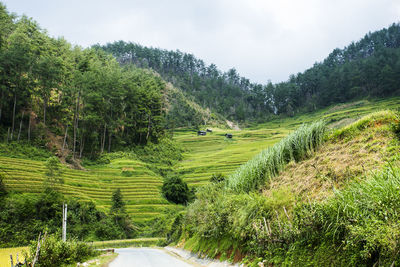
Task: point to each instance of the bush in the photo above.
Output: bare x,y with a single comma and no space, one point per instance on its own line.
174,189
54,252
3,190
396,125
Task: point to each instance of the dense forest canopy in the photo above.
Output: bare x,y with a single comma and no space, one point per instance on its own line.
367,68
50,88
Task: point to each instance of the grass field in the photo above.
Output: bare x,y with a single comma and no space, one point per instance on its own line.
204,156
6,252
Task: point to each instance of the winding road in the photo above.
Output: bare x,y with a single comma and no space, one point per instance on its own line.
146,257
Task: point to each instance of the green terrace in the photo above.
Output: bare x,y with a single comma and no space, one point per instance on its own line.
141,190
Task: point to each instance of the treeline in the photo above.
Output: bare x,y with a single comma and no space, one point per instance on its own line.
228,94
48,86
368,68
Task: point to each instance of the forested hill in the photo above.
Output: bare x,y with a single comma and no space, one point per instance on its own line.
367,68
73,99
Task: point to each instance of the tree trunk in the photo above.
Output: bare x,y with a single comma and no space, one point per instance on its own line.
8,134
13,118
81,146
148,129
65,138
103,140
1,102
76,119
29,127
20,126
109,141
44,110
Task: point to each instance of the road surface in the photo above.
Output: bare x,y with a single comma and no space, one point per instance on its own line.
146,257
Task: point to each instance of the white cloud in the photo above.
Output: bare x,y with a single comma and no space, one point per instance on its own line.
262,39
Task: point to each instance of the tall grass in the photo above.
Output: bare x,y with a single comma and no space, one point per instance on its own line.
296,146
361,221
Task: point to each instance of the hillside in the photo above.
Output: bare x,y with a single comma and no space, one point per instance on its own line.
140,185
302,202
363,69
213,154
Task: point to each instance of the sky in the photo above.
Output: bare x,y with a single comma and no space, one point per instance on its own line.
264,40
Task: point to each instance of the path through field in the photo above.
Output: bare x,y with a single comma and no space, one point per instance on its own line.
146,257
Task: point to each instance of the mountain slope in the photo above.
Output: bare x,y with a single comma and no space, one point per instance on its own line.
369,67
337,205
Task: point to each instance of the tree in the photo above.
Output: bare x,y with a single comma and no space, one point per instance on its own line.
120,216
53,172
118,205
176,190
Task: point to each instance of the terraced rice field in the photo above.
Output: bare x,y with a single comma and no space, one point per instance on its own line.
141,191
204,156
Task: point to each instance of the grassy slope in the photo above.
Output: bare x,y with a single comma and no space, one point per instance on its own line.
205,155
214,153
340,160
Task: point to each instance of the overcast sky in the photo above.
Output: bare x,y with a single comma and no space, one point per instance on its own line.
263,39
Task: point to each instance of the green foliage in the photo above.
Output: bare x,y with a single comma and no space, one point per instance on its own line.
396,125
166,152
296,146
217,178
3,190
54,252
118,204
174,189
24,216
362,218
119,215
53,173
25,151
56,89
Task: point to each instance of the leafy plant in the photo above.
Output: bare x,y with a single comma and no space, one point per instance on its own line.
174,189
53,174
54,252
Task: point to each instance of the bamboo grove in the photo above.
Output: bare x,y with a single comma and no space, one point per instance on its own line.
50,88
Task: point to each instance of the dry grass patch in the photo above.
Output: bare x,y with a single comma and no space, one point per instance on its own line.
336,163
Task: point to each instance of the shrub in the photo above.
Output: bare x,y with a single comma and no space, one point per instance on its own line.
396,125
174,189
217,178
3,190
53,172
54,252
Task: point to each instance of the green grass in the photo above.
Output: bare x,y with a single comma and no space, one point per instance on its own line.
267,164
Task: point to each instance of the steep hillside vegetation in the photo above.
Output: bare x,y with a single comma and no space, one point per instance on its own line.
367,68
333,206
214,154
